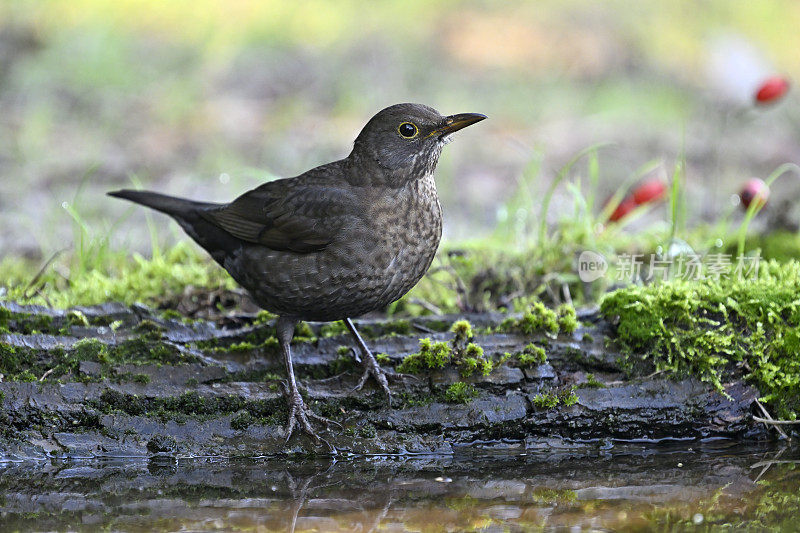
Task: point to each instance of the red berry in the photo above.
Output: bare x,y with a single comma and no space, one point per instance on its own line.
649,191
772,90
756,190
623,209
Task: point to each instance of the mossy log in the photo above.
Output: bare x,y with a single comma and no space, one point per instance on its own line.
126,381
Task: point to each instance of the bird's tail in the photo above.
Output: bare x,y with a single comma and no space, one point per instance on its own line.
189,214
175,207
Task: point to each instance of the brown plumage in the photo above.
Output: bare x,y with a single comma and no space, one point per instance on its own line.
336,242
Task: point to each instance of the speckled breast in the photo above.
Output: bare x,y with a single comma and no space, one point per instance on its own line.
373,263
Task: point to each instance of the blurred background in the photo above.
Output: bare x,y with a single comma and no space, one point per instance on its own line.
207,98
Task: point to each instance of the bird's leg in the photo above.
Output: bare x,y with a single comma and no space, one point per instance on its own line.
299,414
371,367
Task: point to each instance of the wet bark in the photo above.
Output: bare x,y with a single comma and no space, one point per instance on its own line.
158,386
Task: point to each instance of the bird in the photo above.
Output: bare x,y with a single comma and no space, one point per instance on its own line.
338,241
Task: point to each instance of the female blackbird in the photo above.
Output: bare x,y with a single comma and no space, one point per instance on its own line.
336,242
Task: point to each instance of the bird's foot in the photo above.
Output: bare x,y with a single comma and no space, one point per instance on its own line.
300,417
372,368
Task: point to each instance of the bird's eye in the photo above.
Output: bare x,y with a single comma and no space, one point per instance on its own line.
407,130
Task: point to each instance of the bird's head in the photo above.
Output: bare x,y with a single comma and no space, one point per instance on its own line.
405,140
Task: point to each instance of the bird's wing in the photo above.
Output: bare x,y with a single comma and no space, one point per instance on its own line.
287,215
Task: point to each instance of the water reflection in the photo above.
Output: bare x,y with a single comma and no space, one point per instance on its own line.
631,488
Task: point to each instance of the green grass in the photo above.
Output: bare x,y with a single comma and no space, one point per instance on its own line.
115,276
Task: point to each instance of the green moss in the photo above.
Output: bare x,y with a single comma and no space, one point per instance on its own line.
462,329
242,421
27,324
192,405
90,350
263,317
485,366
592,383
25,375
538,318
468,366
76,318
333,329
171,314
568,397
532,355
303,332
545,400
460,392
547,495
709,328
13,359
567,318
342,350
431,355
382,358
148,326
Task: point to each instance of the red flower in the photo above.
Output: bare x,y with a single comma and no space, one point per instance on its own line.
772,90
756,190
627,205
651,190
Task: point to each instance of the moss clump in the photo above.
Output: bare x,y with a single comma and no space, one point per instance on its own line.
242,421
342,351
709,327
460,392
333,329
532,355
25,375
76,318
467,355
431,355
569,398
462,329
263,317
13,359
148,326
303,333
550,399
90,350
545,400
567,318
538,318
171,314
473,360
25,323
592,383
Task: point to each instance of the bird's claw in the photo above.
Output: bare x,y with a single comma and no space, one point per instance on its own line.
371,368
301,416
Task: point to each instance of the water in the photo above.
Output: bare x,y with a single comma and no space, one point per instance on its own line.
628,488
